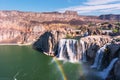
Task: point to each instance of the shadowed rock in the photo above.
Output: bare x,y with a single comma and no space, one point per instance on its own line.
117,70
48,42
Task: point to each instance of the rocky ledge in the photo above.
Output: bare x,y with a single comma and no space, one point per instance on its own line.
49,42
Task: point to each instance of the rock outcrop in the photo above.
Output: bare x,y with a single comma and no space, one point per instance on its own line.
48,42
104,57
111,17
93,43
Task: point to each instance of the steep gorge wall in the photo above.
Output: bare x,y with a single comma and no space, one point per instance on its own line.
94,43
48,41
24,27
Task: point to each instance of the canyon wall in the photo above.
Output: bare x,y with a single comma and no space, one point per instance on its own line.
25,27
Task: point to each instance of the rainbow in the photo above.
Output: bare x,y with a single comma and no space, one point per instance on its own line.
59,66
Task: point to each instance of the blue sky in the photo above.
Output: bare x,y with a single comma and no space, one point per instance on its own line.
83,7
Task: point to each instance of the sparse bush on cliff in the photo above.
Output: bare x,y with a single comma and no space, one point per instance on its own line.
68,36
115,30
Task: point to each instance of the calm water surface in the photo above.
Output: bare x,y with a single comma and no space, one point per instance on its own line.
24,63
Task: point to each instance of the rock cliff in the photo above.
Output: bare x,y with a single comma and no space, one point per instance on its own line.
48,42
25,27
93,43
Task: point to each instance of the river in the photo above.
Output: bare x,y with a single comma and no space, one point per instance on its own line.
25,63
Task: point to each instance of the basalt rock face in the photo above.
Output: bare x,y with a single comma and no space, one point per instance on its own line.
117,70
110,52
18,36
48,42
85,48
93,44
19,27
107,61
25,27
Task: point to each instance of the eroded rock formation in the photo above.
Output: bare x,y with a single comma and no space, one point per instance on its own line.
25,27
48,42
89,45
93,43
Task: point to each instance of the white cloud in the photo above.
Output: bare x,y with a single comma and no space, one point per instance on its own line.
95,8
109,10
99,2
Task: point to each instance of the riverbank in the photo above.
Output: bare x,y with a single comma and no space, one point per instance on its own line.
26,44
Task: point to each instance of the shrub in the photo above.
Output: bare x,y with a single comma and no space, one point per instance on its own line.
115,30
68,36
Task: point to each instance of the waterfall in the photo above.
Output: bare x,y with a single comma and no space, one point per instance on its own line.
71,49
106,71
84,59
99,56
67,50
61,49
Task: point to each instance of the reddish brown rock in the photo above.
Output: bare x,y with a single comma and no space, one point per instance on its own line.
25,27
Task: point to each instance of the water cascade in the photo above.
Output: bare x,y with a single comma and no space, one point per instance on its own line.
99,56
84,59
70,49
104,74
61,49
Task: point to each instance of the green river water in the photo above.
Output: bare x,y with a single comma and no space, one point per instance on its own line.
25,63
